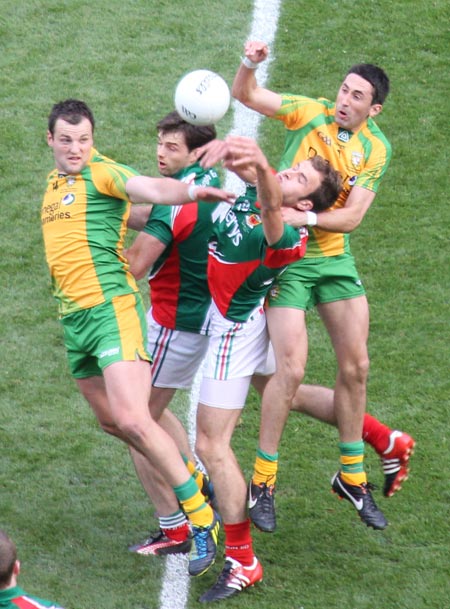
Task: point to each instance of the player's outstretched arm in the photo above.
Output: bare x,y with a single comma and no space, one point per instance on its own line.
245,87
270,199
143,253
168,191
226,152
138,217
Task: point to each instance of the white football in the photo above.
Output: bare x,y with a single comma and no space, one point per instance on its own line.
202,97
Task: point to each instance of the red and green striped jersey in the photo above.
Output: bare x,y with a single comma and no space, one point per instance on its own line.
241,265
361,157
178,286
13,598
84,221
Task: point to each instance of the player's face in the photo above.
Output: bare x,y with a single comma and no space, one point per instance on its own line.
72,145
172,153
298,182
354,102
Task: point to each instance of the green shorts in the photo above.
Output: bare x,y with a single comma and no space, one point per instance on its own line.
313,281
111,332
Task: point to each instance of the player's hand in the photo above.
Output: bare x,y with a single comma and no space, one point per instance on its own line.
212,195
212,152
234,152
294,217
256,50
243,151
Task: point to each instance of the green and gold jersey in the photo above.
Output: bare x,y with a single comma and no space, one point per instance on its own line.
84,221
361,157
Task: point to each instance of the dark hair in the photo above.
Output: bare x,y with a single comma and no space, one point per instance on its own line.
194,135
331,185
8,557
72,111
377,78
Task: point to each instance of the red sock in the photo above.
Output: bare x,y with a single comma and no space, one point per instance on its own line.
375,433
178,533
238,542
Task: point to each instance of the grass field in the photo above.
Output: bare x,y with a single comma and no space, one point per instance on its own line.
68,493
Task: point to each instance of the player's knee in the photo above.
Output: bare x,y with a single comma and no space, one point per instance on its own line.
356,370
131,432
209,451
110,428
290,374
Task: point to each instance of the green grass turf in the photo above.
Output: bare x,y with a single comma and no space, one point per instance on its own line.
68,493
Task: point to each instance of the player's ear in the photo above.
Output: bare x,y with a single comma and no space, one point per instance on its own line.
304,205
375,109
196,153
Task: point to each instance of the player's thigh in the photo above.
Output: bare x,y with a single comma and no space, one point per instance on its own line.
215,426
347,323
94,391
128,385
288,335
160,399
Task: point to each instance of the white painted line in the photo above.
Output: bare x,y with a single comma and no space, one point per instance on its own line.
175,583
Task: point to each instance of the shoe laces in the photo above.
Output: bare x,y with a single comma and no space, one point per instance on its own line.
266,494
200,539
370,486
226,572
370,502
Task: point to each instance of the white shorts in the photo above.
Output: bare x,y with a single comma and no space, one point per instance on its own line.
177,355
236,351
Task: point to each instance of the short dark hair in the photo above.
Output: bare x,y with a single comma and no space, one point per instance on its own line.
194,135
331,184
8,557
377,78
72,111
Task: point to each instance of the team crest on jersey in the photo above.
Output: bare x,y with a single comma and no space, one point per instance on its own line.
68,199
343,135
356,159
274,291
253,220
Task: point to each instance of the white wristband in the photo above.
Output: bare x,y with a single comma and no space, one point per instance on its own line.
248,63
311,218
192,191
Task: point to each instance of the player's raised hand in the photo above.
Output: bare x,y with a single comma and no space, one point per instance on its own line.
256,50
243,151
213,152
212,195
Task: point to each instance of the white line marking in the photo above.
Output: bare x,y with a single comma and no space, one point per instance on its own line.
175,584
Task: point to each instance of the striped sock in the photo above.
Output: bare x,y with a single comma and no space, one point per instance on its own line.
200,514
265,468
352,462
196,473
175,526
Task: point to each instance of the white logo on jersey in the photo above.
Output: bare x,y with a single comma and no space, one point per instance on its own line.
68,199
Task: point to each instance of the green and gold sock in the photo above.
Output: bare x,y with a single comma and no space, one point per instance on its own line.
265,468
352,462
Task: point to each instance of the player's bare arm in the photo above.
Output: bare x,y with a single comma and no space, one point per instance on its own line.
227,152
139,215
245,86
168,191
270,198
342,220
143,254
245,152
